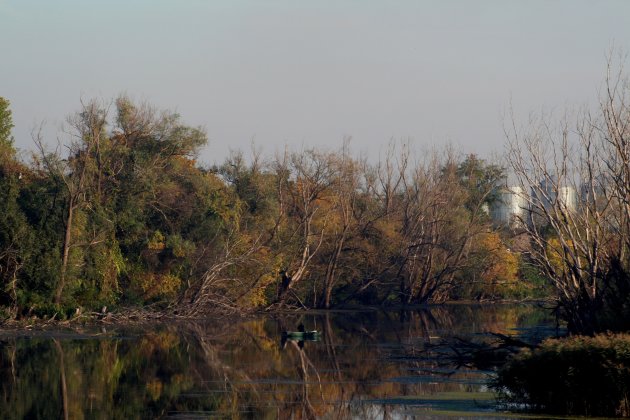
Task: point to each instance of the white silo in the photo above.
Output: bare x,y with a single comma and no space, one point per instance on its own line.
552,193
567,198
510,209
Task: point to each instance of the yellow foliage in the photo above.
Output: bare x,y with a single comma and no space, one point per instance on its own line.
166,340
256,296
498,265
503,263
158,285
152,342
154,388
556,254
156,242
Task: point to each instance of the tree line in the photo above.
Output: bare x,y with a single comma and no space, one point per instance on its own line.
121,213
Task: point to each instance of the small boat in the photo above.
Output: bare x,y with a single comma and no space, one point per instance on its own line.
301,335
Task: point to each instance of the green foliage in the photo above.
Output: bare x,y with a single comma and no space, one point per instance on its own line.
479,178
47,310
7,151
534,281
179,247
126,215
127,203
16,239
577,376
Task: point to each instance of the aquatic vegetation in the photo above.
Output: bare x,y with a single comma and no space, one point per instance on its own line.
576,375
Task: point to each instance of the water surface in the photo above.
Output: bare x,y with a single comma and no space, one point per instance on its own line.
366,364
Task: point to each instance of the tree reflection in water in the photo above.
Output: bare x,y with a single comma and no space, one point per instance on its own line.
367,364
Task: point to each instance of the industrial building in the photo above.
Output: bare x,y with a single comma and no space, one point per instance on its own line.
512,205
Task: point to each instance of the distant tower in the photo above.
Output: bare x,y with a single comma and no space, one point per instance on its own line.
510,209
567,196
552,193
595,191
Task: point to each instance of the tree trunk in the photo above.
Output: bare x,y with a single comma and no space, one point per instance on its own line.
66,252
332,268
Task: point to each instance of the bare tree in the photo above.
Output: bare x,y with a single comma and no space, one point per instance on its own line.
312,177
215,292
390,174
345,189
578,176
436,230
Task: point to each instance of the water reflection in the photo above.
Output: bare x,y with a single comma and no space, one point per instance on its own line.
366,364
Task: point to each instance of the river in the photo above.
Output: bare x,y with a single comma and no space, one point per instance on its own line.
364,364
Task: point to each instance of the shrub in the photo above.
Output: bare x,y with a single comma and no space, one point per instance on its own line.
578,375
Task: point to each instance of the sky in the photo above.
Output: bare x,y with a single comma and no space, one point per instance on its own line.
300,74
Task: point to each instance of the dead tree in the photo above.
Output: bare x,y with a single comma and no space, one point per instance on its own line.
577,176
311,177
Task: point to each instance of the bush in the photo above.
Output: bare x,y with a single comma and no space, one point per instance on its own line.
577,375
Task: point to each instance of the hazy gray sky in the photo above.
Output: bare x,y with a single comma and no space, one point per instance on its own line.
310,72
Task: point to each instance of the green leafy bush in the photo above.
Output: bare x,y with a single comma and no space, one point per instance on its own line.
578,375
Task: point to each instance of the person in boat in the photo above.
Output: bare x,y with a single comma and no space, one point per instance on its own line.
284,339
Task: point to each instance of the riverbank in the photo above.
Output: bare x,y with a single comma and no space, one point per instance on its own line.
133,314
